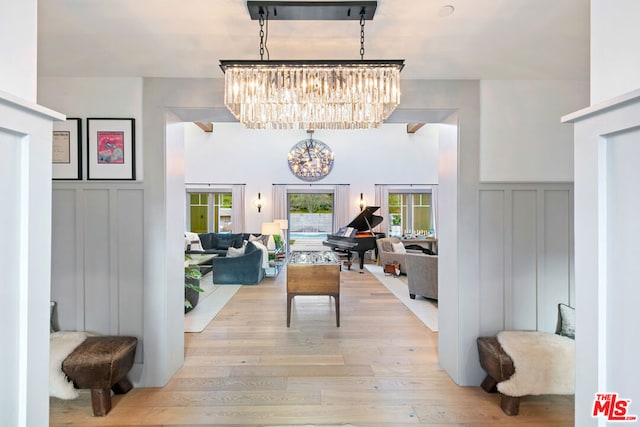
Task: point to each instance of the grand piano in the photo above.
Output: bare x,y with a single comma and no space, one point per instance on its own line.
357,236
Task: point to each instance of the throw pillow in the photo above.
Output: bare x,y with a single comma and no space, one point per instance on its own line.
53,317
234,252
398,248
566,321
192,241
223,240
259,238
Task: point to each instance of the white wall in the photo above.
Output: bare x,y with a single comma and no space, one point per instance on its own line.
522,139
232,154
606,176
25,260
93,97
97,273
18,48
607,233
526,255
614,48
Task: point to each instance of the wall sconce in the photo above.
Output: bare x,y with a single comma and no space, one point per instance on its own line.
258,202
362,202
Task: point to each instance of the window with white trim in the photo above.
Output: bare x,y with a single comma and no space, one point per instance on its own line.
410,214
209,212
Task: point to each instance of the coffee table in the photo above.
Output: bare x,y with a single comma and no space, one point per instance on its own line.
200,259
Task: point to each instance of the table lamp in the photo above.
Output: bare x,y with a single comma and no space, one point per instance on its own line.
270,229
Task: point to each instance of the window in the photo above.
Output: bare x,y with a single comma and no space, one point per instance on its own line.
210,212
311,214
410,213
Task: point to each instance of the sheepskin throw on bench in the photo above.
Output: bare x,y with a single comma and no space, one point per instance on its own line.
62,344
544,363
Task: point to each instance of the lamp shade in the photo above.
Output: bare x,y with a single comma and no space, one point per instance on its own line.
284,223
270,228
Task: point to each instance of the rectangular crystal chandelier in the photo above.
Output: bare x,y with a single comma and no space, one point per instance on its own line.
312,94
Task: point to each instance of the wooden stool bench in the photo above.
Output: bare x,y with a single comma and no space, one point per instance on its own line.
499,367
101,363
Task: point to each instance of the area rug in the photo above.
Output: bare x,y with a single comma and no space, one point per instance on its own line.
426,310
210,302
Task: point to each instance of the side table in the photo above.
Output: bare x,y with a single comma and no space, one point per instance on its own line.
313,273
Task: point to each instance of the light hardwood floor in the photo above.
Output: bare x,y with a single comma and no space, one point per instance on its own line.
379,368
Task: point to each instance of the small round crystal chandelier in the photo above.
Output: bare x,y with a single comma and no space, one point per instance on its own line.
310,159
311,94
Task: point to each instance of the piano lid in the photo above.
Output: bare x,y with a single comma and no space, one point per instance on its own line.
360,221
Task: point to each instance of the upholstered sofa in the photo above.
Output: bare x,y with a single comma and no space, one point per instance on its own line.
422,275
244,269
219,243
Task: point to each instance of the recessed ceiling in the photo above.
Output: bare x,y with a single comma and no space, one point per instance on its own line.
496,39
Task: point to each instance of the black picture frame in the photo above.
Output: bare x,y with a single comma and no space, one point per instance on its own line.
66,151
111,149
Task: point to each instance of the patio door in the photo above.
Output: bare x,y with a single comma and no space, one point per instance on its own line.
310,218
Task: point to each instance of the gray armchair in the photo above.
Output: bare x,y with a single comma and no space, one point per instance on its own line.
422,275
388,256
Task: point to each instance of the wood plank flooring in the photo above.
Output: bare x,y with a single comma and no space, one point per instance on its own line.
379,368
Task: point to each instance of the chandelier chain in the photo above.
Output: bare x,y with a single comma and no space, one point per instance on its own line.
261,22
362,34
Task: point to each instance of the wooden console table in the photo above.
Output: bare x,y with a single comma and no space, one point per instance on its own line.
313,273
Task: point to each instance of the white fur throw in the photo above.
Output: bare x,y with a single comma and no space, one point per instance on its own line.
62,344
544,363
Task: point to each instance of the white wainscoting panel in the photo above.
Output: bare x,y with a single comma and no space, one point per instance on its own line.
522,258
526,255
623,266
98,247
492,259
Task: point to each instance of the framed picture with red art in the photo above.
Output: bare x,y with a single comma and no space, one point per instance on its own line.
111,149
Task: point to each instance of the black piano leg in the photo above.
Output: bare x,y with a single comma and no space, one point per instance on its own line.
361,262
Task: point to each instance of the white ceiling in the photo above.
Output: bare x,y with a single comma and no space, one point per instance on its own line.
482,39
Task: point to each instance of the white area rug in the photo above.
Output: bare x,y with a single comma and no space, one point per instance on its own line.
209,305
425,310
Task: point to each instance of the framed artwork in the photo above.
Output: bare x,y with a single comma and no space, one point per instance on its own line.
66,153
111,148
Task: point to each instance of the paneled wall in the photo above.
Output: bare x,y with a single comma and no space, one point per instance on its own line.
526,244
607,146
25,258
97,258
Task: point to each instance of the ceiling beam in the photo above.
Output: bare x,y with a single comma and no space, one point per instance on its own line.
207,127
414,127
